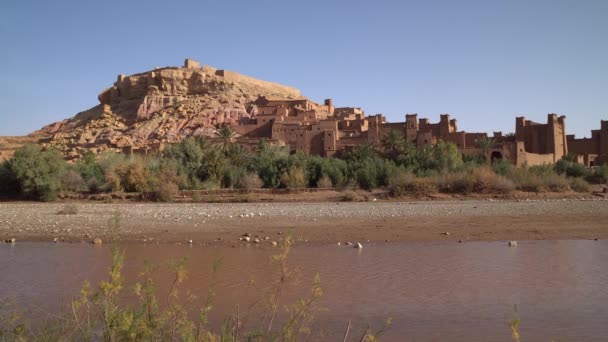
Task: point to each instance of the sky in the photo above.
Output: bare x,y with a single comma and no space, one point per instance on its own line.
483,62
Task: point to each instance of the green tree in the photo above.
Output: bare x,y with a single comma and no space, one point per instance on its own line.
188,156
447,156
226,134
38,172
393,143
238,155
9,184
361,152
485,144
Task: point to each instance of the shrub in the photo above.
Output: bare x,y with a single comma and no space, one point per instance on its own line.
579,185
502,167
134,176
167,192
599,175
403,184
72,181
232,176
556,183
541,170
250,181
38,172
9,184
478,180
90,170
349,196
210,184
294,178
68,209
324,183
447,156
571,169
526,180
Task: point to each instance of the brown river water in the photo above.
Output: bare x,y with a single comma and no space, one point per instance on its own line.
442,291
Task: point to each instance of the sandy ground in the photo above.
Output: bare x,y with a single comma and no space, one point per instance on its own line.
329,222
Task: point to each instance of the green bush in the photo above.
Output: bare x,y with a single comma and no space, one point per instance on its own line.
294,178
525,180
232,176
91,171
599,175
571,169
556,183
538,178
9,184
541,170
38,172
502,167
579,185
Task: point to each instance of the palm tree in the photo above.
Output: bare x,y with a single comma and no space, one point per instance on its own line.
238,154
226,133
485,144
395,144
361,152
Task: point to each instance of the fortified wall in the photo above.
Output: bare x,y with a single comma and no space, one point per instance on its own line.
591,151
325,130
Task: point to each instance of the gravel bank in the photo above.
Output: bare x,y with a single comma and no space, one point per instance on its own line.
316,222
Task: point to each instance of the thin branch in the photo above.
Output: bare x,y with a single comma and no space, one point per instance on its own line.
346,332
364,334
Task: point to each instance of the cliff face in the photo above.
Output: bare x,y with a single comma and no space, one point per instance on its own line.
164,105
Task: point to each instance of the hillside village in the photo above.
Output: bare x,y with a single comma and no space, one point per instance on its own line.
142,113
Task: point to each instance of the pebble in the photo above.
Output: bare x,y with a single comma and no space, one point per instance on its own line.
274,243
358,245
446,233
97,241
245,238
512,243
11,240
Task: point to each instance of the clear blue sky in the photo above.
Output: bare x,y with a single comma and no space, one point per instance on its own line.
483,62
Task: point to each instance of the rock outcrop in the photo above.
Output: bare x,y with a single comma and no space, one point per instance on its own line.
143,111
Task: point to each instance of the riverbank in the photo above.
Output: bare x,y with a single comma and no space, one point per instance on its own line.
325,222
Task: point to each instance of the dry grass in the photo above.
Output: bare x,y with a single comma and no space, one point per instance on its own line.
325,183
251,181
350,196
68,209
579,185
406,184
479,180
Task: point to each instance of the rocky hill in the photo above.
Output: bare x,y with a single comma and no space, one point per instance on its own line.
164,105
